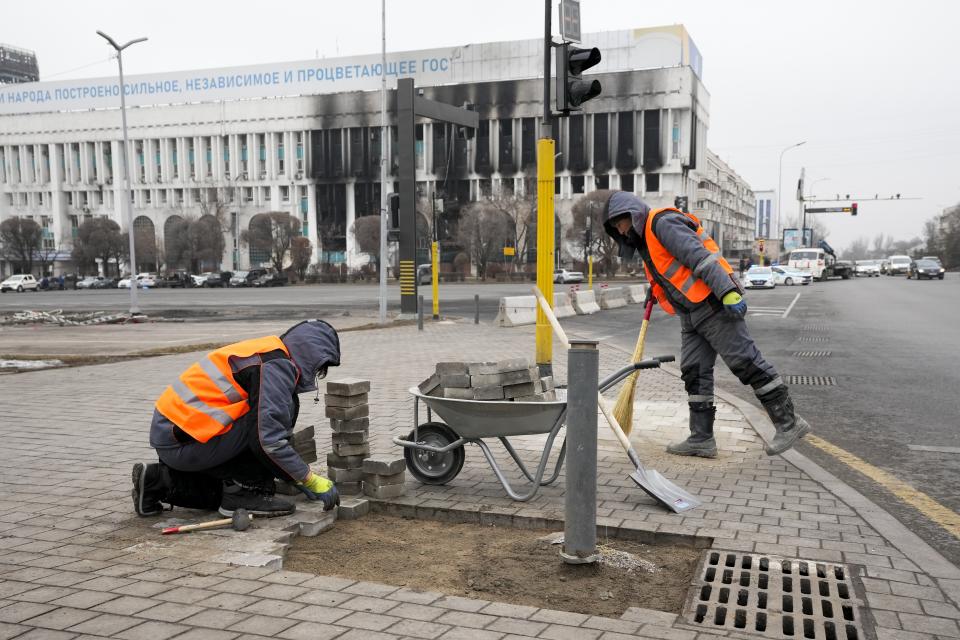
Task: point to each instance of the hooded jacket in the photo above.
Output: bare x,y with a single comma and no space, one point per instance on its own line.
677,233
272,382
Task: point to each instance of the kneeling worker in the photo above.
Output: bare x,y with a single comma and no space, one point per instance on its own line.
223,430
691,279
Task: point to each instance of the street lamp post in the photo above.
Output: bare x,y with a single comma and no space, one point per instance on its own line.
780,191
134,307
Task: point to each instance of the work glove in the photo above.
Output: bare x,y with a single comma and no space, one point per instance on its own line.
319,488
734,304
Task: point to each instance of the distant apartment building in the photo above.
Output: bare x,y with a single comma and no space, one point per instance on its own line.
727,207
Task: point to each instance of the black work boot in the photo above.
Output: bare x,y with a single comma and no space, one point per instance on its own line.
258,498
790,427
701,441
151,487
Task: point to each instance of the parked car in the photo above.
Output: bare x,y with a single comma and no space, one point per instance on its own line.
425,274
87,282
144,281
933,258
106,283
178,279
898,264
563,276
925,269
19,283
271,279
246,278
867,269
216,279
758,277
790,276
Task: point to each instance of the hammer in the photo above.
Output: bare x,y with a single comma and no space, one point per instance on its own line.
240,521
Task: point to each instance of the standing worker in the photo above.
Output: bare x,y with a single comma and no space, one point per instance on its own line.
691,279
223,430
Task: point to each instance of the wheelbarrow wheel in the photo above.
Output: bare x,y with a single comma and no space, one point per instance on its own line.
429,467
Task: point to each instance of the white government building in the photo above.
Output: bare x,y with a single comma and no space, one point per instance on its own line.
303,138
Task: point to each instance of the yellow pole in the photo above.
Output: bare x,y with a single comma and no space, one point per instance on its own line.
545,248
590,272
435,277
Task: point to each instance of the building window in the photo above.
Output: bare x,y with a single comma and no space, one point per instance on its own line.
675,139
602,181
576,144
146,196
280,158
576,183
285,194
528,143
652,182
652,158
626,182
626,142
601,143
506,146
163,196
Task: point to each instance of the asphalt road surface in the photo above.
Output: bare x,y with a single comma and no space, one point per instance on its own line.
893,346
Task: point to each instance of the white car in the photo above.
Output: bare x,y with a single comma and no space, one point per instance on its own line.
562,276
88,281
758,277
867,269
144,281
19,283
790,276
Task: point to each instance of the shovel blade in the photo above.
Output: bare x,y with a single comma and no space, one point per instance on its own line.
664,491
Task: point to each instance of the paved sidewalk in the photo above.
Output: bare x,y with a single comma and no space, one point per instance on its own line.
73,561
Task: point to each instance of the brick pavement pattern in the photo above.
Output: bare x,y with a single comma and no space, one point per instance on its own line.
73,563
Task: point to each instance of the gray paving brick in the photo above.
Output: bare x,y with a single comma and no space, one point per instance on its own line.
930,624
365,634
60,618
367,603
84,599
47,634
610,624
273,607
324,598
893,603
369,621
415,596
471,634
664,633
169,612
370,589
916,591
418,629
563,632
264,625
279,592
232,601
509,610
42,594
152,630
517,626
208,634
466,619
144,589
311,631
315,613
940,609
8,630
105,624
328,583
215,618
20,611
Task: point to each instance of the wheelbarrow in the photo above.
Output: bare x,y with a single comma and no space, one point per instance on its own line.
434,450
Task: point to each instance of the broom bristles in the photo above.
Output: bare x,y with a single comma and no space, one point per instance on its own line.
623,409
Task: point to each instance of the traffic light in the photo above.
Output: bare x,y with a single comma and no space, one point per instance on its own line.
394,210
853,209
681,203
572,90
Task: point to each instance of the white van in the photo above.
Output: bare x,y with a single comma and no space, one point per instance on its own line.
810,260
898,264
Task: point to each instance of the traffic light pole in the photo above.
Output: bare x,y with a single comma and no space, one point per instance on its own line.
545,213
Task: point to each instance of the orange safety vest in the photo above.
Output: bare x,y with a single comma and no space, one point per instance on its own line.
206,399
680,276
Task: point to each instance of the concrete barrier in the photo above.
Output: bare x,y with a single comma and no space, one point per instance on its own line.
516,311
636,293
613,298
584,302
562,307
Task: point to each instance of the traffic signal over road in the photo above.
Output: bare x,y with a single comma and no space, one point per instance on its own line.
394,210
572,89
853,209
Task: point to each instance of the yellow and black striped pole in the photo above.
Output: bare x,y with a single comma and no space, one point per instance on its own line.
545,249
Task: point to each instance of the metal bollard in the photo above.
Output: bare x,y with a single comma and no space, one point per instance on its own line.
580,509
419,313
476,313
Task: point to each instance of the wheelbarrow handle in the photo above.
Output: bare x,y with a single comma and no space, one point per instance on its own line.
665,358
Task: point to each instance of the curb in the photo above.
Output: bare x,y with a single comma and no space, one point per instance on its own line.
928,559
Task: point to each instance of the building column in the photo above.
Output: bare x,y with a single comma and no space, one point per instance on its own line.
352,255
62,234
116,152
312,221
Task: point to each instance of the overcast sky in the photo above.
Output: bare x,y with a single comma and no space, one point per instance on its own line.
872,87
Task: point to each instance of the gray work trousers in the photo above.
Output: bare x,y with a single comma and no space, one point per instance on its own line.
727,336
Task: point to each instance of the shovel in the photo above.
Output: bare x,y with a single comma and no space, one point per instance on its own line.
650,480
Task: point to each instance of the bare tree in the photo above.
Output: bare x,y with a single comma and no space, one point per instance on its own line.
194,242
366,232
100,238
881,246
20,238
483,232
145,245
950,241
521,210
273,233
859,249
931,236
604,248
301,251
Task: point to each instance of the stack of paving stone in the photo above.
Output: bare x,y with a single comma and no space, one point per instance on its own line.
383,477
347,406
516,379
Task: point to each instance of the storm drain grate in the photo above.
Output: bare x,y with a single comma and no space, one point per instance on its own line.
815,327
812,354
814,339
775,597
812,381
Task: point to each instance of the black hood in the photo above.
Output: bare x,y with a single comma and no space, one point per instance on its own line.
626,203
313,345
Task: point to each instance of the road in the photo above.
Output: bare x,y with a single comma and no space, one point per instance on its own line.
893,346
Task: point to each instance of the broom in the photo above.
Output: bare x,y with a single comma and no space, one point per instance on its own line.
623,409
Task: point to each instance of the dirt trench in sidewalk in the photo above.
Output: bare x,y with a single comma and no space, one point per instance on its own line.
497,563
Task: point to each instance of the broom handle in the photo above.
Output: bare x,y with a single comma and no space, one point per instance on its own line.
647,311
601,402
